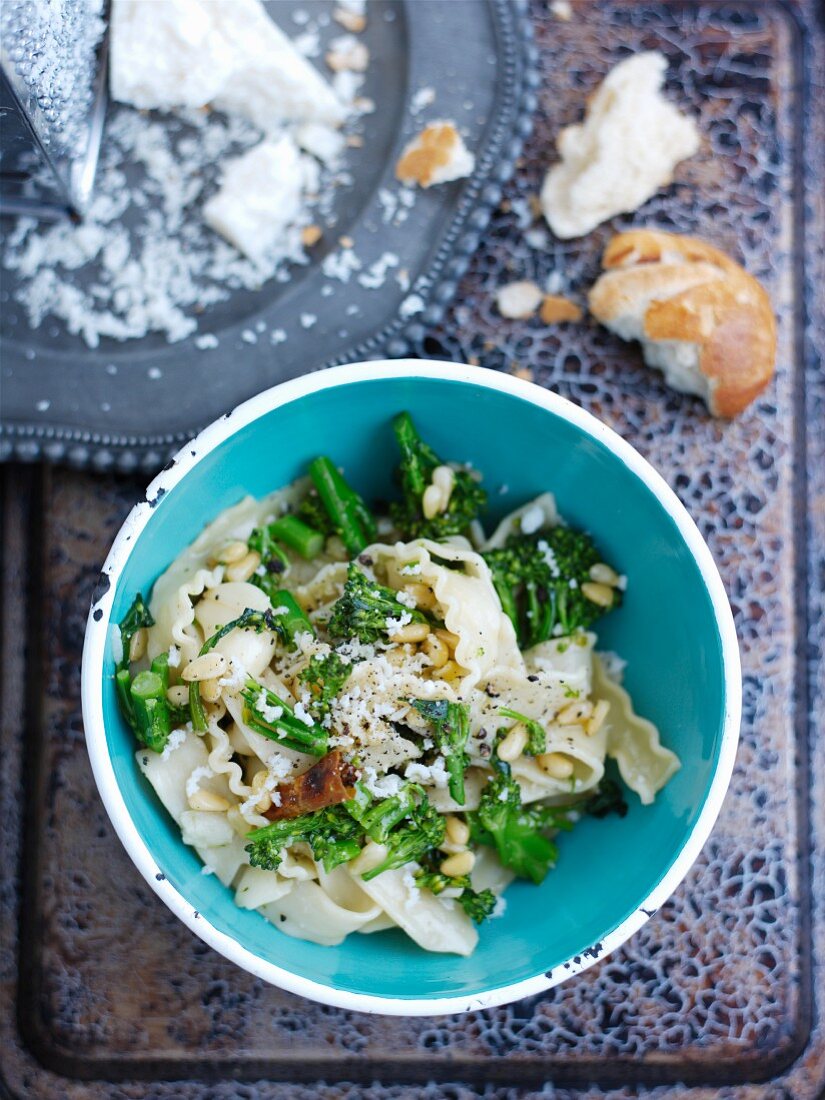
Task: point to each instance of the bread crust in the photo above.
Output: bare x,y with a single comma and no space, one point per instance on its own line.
683,289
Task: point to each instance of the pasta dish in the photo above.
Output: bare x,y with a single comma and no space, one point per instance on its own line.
372,717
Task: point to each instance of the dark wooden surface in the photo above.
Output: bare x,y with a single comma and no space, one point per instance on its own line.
103,994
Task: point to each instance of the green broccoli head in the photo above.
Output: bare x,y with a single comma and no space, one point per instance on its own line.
545,585
418,461
332,834
368,610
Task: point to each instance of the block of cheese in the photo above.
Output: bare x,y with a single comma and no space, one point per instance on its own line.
260,197
187,53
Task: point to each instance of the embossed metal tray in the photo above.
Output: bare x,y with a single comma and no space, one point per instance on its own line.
105,996
128,405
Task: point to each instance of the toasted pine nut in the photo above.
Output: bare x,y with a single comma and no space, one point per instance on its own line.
259,779
137,646
603,573
243,569
602,594
450,671
575,712
232,552
412,632
335,548
458,864
397,657
431,502
178,695
513,744
209,666
599,714
263,803
458,831
422,594
556,764
444,480
447,637
204,799
435,649
209,691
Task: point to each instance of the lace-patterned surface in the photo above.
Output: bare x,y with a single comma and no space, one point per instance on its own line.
717,995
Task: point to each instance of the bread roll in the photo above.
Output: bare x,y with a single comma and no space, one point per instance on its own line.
700,317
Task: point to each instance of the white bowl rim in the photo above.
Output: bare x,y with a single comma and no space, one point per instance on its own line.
93,659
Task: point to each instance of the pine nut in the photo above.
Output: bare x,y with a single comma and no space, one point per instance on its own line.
263,803
137,646
178,695
437,652
603,573
458,864
575,712
431,502
243,569
412,632
232,552
397,657
556,764
450,671
444,480
513,744
204,799
599,714
209,666
602,594
259,779
209,691
422,594
458,831
447,637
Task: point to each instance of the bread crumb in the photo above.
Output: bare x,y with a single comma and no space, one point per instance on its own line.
555,309
347,54
518,301
346,242
624,151
562,10
310,235
351,21
525,373
355,141
437,155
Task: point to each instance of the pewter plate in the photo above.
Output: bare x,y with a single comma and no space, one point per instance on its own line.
128,405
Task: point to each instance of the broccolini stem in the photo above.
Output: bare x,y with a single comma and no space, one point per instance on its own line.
302,538
151,710
290,619
348,512
286,729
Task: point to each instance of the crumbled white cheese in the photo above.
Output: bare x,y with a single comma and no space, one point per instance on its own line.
532,520
499,908
549,556
406,599
267,712
376,274
421,99
434,775
303,715
394,625
411,569
174,741
194,780
411,305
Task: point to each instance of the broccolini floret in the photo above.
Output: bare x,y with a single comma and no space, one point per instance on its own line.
368,610
332,834
516,831
539,579
478,905
379,818
418,461
421,832
142,699
536,733
325,676
450,726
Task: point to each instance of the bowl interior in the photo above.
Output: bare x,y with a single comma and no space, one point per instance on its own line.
666,631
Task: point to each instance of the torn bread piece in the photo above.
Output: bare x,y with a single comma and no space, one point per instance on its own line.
437,155
700,317
260,197
623,152
556,309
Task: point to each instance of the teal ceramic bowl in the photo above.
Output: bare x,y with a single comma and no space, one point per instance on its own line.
675,630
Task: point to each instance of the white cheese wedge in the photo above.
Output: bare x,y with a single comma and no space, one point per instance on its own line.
187,53
259,197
